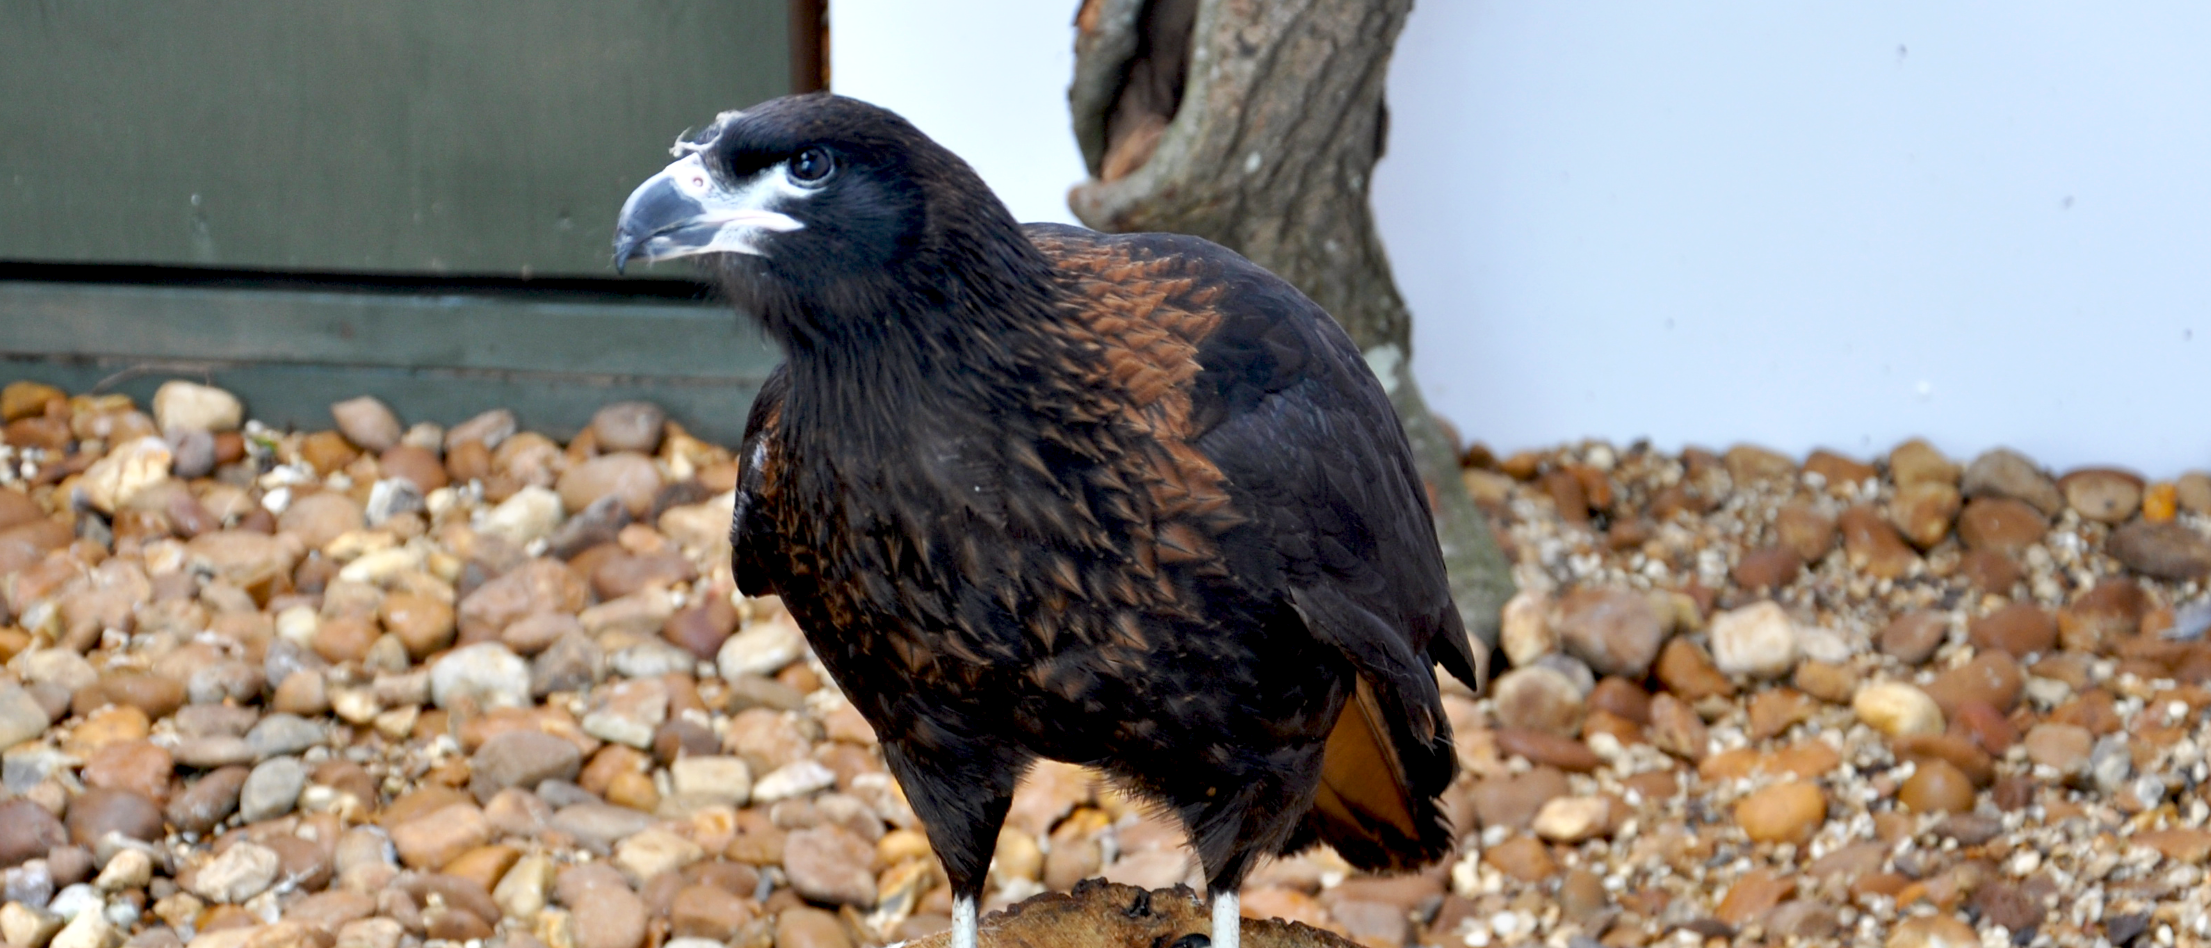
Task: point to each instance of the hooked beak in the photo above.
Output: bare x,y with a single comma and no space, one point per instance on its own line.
684,212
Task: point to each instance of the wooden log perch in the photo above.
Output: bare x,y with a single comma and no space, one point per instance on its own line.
1101,914
1256,124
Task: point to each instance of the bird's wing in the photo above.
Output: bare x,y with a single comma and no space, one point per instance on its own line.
757,558
1284,407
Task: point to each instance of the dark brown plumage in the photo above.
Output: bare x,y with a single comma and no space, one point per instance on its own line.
1125,501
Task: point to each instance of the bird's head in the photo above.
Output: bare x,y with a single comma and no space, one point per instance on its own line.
805,206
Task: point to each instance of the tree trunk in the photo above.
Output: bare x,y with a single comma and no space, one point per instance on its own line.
1256,124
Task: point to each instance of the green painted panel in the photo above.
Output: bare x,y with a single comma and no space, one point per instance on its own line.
401,330
493,137
552,359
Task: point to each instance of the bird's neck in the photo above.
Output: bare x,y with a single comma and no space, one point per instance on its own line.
972,341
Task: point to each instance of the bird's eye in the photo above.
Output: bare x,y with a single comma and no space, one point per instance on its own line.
812,166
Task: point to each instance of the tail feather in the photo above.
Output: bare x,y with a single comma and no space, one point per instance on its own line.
1377,799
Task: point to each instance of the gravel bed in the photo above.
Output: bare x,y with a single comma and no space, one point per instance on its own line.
386,685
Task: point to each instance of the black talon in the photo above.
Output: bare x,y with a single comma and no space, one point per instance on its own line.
1142,906
1194,940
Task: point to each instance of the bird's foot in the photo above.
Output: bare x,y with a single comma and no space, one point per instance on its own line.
1228,920
963,921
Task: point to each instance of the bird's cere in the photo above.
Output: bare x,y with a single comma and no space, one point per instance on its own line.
686,145
685,211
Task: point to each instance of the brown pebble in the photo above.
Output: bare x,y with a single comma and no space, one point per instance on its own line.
2064,747
159,697
1768,568
1548,749
1654,784
97,812
1522,857
2000,525
1810,759
2093,709
1958,752
415,464
2013,792
1567,496
1991,571
1677,730
1784,812
1992,677
484,865
27,831
705,911
434,839
1622,697
2169,551
422,623
1873,546
683,737
1617,631
1514,800
1840,471
139,766
702,629
1924,511
1917,462
1933,931
1685,669
2106,494
2181,844
1937,786
208,800
1778,709
1913,637
468,461
1752,895
1620,729
452,924
1581,894
2101,618
1803,530
2021,629
801,927
1538,698
302,693
1985,726
622,575
344,639
1826,681
2003,903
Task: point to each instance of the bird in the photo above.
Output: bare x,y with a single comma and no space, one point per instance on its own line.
1128,501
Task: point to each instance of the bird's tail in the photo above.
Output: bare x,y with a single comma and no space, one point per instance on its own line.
1378,787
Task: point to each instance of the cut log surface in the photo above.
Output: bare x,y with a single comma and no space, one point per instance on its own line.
1100,914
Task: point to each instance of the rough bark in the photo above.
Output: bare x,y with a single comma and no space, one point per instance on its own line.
1256,124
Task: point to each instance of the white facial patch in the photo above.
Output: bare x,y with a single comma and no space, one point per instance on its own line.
741,215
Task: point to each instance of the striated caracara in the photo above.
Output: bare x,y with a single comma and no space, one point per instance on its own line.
1033,491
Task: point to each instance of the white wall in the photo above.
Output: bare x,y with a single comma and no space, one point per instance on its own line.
985,78
1836,224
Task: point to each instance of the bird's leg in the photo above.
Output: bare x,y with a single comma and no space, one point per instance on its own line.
960,789
1233,825
963,921
1228,919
